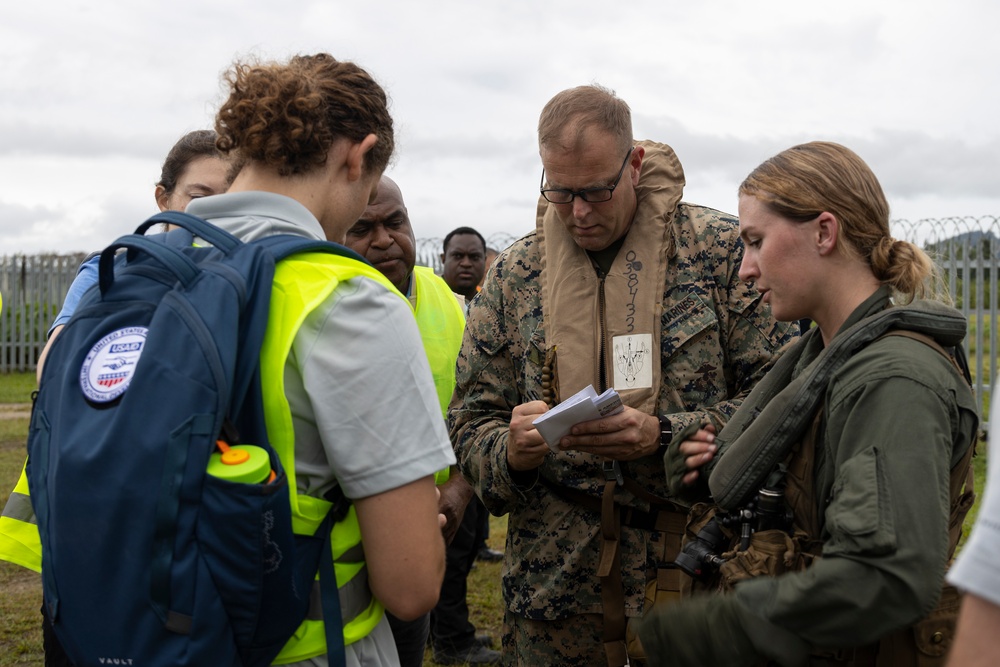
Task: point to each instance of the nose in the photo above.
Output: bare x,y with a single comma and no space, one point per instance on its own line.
748,269
381,238
580,208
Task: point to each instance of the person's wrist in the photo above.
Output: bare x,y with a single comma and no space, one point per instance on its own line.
458,485
666,433
523,479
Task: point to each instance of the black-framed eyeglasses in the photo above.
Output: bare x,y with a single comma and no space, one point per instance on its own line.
589,195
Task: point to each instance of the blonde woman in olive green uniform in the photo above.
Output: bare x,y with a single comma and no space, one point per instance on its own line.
875,469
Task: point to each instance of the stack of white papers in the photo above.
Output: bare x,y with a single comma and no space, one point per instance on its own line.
580,407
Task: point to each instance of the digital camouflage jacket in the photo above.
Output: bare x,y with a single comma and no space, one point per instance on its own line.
717,340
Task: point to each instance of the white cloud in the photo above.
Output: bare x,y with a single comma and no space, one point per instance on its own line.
95,93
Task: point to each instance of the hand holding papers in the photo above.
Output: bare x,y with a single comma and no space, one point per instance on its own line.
580,407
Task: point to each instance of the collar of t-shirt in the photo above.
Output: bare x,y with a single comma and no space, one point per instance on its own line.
603,259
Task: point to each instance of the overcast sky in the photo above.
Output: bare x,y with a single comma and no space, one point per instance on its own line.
93,94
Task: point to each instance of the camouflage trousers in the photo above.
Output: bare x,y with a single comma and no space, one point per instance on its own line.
569,642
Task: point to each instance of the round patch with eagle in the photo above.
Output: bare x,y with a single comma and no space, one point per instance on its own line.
109,366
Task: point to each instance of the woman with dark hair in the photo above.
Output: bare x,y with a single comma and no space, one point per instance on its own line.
846,463
350,404
194,168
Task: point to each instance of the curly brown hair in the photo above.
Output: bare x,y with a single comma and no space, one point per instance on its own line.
288,115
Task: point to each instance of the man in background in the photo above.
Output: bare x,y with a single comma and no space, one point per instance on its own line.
385,238
465,259
464,263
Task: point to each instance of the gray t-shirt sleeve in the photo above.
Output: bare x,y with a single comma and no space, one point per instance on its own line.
363,401
977,569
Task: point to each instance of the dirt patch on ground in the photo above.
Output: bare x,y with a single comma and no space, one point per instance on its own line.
15,410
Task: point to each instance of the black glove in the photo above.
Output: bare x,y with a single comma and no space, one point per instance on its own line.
698,632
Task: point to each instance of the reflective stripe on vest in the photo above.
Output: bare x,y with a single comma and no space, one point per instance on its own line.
301,284
442,325
19,540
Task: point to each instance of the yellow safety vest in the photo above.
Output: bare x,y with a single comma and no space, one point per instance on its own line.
19,540
442,324
301,284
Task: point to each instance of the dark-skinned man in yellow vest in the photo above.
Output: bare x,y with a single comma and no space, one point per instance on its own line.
385,238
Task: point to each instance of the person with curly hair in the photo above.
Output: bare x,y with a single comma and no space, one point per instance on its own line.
353,411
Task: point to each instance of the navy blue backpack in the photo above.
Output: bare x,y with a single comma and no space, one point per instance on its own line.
146,558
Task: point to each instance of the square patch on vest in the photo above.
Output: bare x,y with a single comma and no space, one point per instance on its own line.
632,357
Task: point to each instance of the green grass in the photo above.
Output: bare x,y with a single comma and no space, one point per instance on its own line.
13,430
21,597
20,621
16,387
979,471
484,598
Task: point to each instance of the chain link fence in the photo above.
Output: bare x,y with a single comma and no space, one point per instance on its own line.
966,250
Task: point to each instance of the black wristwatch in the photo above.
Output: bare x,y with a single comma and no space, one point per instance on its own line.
666,432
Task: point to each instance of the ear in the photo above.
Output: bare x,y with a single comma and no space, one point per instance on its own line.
356,157
442,258
827,227
635,164
162,198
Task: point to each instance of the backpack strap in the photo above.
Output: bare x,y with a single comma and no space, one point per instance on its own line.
333,619
217,236
279,247
609,570
172,259
956,358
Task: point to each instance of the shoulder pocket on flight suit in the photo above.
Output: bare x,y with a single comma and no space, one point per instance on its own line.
859,517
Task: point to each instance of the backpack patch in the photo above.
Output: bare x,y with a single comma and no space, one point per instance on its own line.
108,368
147,556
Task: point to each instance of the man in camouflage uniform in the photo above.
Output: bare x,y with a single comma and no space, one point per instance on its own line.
620,285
